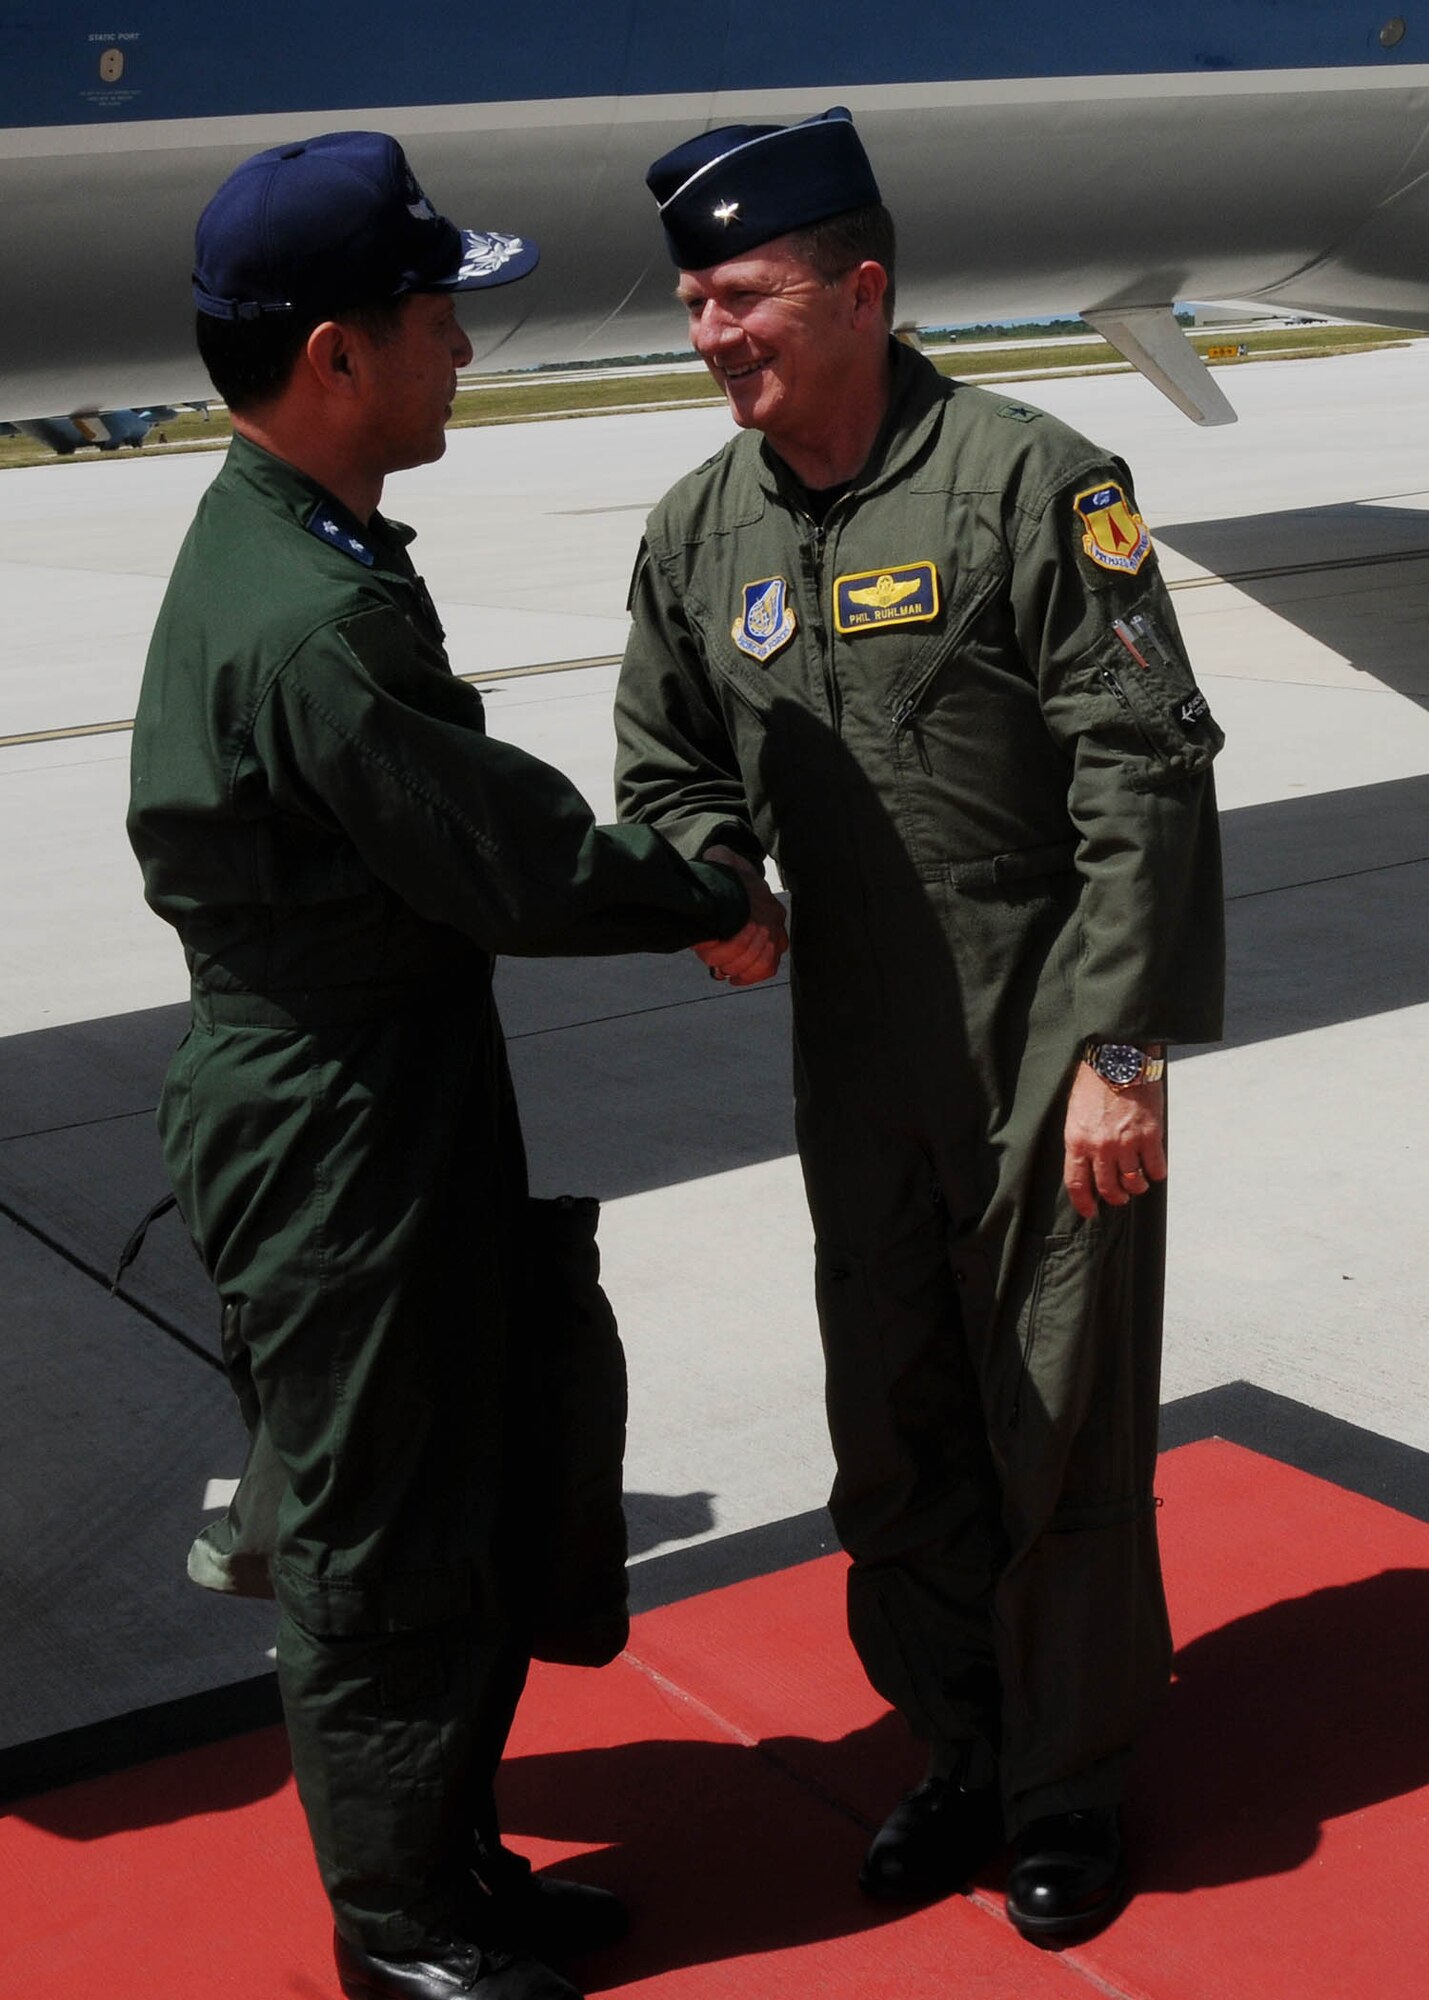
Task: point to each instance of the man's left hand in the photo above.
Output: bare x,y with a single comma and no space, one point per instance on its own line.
1115,1141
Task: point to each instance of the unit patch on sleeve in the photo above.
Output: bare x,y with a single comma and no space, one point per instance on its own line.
1115,538
903,594
767,621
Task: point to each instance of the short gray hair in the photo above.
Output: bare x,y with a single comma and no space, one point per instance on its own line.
840,242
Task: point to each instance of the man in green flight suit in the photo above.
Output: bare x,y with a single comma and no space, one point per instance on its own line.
911,640
318,810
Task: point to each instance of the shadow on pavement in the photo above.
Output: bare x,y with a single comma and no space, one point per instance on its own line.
1304,1712
1354,576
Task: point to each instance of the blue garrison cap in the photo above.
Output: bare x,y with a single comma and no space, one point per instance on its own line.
337,221
725,192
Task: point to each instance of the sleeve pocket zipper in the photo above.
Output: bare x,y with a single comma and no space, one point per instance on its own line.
1113,681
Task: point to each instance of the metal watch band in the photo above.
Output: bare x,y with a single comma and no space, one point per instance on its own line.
1123,1064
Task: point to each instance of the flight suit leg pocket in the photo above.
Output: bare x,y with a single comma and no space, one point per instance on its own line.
380,1734
371,1675
1080,1613
915,1500
896,1379
1073,1335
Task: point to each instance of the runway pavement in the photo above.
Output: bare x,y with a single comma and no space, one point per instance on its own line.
1297,544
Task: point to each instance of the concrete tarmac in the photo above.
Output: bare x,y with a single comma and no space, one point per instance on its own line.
1297,545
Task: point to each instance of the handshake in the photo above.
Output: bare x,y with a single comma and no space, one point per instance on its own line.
753,953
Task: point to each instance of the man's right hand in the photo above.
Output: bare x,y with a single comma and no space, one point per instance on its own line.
753,953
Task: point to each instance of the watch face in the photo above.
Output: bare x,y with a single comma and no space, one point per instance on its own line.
1118,1062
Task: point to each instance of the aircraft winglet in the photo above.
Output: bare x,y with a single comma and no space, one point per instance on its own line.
1154,342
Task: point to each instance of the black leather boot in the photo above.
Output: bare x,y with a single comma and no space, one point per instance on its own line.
1068,1874
933,1841
449,1968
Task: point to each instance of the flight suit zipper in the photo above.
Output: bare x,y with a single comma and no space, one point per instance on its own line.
812,554
905,709
903,714
905,718
1113,681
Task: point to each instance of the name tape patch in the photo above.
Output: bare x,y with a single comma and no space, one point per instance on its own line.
902,594
766,621
1115,538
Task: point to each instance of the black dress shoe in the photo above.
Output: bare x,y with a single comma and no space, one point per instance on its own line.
1068,1874
448,1969
557,1918
932,1842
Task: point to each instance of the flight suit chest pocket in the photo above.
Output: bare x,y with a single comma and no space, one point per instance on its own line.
918,682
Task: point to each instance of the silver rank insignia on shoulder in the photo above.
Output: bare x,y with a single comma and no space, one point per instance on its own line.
336,529
767,621
902,594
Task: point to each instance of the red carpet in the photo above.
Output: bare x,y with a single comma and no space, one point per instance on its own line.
723,1775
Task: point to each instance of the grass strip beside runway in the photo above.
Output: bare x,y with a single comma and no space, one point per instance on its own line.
541,397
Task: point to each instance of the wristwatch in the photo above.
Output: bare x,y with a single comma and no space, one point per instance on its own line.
1121,1064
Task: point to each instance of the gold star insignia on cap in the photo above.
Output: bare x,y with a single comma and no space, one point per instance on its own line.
727,211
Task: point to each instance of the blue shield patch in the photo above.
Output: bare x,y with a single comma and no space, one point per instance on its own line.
767,621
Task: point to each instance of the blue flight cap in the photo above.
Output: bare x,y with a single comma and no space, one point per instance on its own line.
337,221
725,192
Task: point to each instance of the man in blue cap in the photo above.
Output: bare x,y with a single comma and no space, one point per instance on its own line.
319,812
911,639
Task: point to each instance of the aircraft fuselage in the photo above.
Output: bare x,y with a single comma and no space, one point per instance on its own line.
1037,160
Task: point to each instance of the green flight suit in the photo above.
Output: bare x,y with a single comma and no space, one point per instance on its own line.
319,812
997,828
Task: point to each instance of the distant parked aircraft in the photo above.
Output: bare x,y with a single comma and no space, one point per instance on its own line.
108,429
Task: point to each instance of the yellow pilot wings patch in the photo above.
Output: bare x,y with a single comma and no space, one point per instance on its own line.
902,594
1115,538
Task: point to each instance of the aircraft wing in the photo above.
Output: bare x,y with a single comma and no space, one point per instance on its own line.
1037,162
